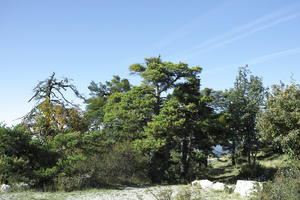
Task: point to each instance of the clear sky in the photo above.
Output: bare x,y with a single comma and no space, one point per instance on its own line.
95,39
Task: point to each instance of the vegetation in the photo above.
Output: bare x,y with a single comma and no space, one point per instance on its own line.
280,120
285,185
240,106
161,131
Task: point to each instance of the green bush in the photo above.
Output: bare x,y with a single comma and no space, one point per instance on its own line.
23,159
198,168
121,165
285,186
252,171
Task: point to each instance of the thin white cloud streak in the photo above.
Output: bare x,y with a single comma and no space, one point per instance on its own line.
244,35
257,60
188,28
267,21
266,58
245,27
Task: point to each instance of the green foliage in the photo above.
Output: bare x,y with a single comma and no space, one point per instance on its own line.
148,114
280,120
69,161
252,172
284,187
22,158
121,164
99,95
239,107
126,114
163,76
75,151
160,131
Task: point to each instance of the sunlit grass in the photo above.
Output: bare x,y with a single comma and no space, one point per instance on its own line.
274,161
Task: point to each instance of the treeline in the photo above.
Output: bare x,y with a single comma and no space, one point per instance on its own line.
161,131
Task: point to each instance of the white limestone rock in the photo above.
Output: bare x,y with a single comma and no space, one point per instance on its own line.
219,186
5,188
205,184
246,188
195,182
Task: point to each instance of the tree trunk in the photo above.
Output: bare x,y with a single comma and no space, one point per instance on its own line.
154,173
184,158
233,157
248,146
183,151
159,163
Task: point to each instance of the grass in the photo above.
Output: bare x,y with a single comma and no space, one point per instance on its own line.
272,161
222,170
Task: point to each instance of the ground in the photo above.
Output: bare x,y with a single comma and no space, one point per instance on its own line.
129,193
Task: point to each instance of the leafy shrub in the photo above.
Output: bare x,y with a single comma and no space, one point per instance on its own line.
198,168
121,165
285,186
74,165
252,171
23,159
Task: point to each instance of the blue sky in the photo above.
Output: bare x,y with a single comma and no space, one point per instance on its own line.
93,40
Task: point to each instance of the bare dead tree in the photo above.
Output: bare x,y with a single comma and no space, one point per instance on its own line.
53,90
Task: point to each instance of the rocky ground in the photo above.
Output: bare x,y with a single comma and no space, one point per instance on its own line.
129,193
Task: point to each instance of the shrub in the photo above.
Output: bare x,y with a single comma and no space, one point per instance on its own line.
121,165
252,171
22,159
118,166
285,186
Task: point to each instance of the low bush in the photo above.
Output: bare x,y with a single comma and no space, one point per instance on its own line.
251,171
121,165
285,186
23,159
256,172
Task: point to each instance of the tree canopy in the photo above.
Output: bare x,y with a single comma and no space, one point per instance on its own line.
280,119
161,130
